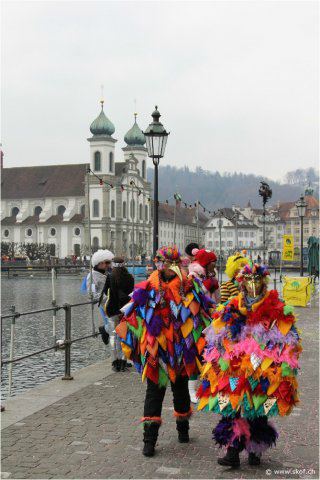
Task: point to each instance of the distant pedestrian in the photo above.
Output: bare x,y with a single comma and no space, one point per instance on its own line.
118,286
101,264
259,259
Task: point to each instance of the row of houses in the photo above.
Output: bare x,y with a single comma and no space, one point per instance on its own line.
60,204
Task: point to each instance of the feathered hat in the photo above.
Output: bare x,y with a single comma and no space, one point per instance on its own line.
235,263
171,256
253,270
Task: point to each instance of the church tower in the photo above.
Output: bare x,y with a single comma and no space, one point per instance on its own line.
135,141
102,145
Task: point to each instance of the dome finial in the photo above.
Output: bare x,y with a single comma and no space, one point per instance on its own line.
102,125
135,137
102,97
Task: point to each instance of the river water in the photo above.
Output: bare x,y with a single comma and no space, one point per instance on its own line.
35,332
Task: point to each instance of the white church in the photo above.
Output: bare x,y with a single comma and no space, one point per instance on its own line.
49,204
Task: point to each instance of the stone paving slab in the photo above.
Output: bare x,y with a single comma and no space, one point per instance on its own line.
95,433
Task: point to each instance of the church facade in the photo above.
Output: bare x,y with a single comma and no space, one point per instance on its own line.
60,204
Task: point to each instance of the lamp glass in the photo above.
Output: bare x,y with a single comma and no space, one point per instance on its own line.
301,207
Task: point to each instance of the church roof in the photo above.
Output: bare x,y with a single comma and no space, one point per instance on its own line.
43,181
102,125
184,216
135,136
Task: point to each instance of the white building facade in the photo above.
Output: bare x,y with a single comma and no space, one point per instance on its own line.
49,204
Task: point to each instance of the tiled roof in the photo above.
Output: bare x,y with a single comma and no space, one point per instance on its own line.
43,181
34,219
184,216
8,221
283,209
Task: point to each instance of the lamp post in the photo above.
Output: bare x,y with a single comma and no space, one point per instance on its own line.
177,197
266,193
156,139
302,208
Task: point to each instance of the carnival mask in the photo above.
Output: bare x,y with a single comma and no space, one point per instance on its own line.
159,265
253,284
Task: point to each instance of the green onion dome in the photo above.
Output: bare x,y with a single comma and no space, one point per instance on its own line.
102,125
135,137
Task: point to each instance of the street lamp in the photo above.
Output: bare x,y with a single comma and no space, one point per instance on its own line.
156,140
302,208
265,192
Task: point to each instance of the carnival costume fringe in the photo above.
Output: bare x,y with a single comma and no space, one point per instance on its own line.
250,370
161,331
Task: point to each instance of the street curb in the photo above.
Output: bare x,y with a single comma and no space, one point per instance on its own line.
31,401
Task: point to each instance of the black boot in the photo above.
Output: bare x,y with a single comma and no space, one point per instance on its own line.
104,335
123,365
116,365
231,459
150,438
183,431
254,459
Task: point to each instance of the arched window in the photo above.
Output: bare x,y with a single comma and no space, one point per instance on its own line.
124,209
97,161
140,211
15,211
113,208
143,169
83,210
61,209
37,211
132,209
111,162
95,244
95,209
76,249
124,241
146,213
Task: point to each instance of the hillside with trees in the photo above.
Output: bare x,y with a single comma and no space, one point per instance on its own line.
215,189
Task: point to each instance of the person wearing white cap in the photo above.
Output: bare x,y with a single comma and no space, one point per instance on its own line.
101,265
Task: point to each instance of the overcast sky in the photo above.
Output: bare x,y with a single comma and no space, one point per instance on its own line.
236,82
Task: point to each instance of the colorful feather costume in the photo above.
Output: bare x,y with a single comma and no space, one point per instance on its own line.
250,369
161,331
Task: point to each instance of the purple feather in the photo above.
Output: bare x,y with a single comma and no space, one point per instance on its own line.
140,296
222,433
188,355
189,340
155,326
262,431
196,321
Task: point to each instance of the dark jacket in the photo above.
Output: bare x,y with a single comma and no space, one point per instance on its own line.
119,285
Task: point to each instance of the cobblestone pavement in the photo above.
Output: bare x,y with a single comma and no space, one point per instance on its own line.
95,433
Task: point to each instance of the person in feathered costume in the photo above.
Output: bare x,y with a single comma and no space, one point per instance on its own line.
234,264
161,333
203,268
250,369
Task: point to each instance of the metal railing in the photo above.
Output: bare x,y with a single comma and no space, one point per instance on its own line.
65,344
